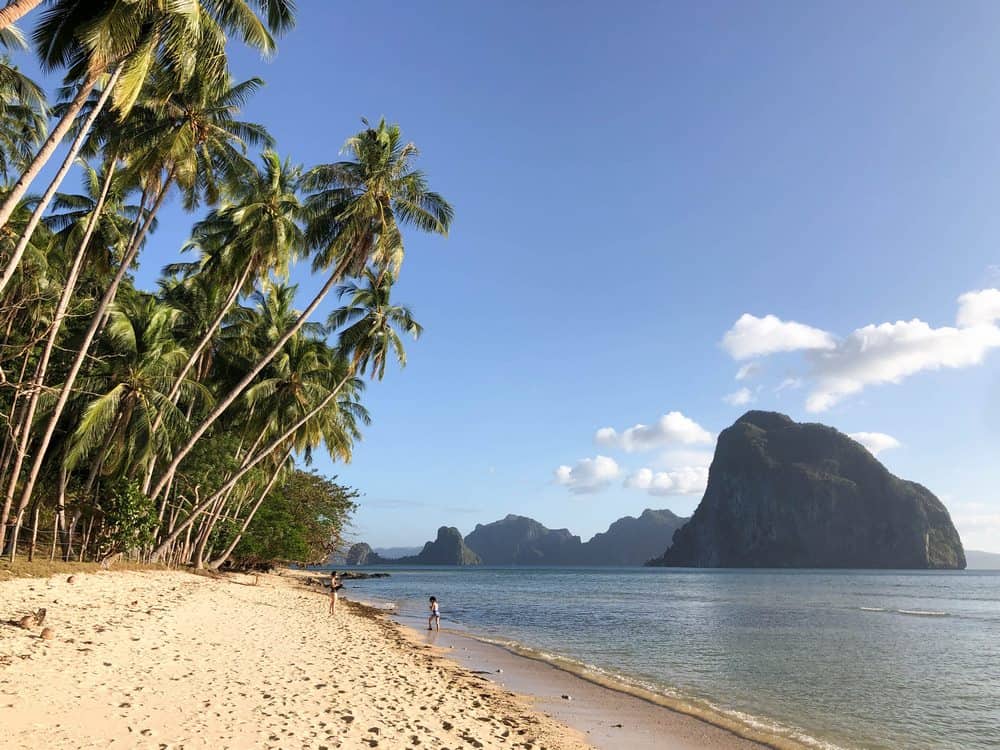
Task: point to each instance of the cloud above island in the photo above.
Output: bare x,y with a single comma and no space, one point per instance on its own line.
688,480
873,354
875,442
588,475
742,397
672,428
751,337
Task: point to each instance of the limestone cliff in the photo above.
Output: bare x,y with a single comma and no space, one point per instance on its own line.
787,495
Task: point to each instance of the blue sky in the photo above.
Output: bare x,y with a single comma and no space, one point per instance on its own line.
631,179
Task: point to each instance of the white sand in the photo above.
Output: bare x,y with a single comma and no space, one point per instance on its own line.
171,660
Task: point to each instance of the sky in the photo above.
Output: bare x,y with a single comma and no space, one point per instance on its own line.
666,214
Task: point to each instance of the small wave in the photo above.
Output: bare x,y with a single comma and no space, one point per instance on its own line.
874,609
752,727
921,613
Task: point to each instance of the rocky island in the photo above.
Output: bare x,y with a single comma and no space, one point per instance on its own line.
787,495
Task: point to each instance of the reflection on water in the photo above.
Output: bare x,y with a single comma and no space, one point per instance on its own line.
854,659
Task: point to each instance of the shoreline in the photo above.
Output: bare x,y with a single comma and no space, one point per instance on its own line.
610,713
167,659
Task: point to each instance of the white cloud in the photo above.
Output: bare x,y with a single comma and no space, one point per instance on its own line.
875,442
748,370
890,352
751,336
977,524
788,383
684,481
670,429
739,398
588,474
978,308
873,354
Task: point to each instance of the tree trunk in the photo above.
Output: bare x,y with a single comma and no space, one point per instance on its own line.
34,533
55,532
221,559
48,148
40,372
238,389
74,149
205,340
81,356
248,465
15,9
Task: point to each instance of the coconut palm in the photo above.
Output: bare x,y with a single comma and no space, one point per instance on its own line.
13,11
125,42
128,392
353,218
23,110
246,240
369,325
160,165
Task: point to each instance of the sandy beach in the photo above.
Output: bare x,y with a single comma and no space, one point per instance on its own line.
151,659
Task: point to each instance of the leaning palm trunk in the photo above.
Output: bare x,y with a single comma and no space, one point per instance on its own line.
74,149
266,451
221,559
88,338
40,372
15,9
238,389
234,293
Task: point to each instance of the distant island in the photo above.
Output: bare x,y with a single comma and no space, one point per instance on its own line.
780,495
519,540
979,560
787,495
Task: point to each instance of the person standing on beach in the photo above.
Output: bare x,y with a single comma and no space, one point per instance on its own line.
334,585
435,618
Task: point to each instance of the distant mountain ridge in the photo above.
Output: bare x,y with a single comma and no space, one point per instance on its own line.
519,540
978,560
787,495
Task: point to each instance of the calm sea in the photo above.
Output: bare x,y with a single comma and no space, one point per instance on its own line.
833,659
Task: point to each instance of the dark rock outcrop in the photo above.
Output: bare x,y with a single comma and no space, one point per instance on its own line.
362,554
447,549
518,540
787,495
632,541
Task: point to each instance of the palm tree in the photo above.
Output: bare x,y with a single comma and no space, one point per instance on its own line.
206,124
129,389
125,41
370,323
254,235
369,331
353,218
23,110
13,11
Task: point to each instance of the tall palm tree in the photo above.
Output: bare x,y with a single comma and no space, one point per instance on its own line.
218,136
369,325
369,328
125,41
23,110
255,234
353,217
129,390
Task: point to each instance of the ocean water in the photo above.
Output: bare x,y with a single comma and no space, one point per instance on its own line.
832,659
